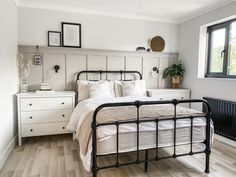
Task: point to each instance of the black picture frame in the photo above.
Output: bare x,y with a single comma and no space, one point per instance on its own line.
53,43
71,34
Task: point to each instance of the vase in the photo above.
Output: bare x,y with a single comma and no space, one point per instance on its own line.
176,81
24,87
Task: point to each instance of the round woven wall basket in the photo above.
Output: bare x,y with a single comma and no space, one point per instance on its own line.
157,44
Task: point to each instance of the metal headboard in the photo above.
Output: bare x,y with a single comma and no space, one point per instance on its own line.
100,72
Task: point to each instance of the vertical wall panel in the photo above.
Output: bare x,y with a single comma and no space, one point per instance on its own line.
115,63
151,77
35,77
133,63
74,64
165,61
56,80
97,62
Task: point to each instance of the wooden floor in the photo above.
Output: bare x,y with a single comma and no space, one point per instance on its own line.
57,156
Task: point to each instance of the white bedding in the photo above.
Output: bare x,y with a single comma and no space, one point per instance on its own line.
106,135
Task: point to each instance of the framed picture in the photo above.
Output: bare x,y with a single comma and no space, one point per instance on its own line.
54,38
71,35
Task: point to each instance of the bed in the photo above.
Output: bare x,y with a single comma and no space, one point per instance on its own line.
106,125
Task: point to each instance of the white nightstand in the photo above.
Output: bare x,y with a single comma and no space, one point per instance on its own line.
44,113
169,94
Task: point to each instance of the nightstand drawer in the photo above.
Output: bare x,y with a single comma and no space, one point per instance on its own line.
44,129
170,96
28,104
31,117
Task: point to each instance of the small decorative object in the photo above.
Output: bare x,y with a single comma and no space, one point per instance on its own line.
176,72
45,88
140,49
54,39
157,44
37,57
155,69
71,35
24,87
56,68
24,70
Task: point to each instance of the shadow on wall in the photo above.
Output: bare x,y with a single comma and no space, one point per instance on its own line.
15,120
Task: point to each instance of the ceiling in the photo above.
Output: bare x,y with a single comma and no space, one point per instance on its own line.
171,11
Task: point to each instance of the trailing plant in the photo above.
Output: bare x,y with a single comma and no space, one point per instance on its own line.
174,70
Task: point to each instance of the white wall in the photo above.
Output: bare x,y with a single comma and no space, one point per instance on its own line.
98,32
8,76
188,52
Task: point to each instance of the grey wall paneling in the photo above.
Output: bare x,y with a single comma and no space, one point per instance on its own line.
72,61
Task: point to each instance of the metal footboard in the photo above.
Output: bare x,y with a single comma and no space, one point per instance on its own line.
137,121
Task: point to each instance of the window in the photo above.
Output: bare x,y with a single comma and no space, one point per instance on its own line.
222,50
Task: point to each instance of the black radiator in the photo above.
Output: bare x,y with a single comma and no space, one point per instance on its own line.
223,116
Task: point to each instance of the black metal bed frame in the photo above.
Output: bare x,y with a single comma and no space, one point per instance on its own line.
137,121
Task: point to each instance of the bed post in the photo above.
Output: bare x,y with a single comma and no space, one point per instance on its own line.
208,139
94,146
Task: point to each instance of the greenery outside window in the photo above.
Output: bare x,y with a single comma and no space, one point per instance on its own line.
222,50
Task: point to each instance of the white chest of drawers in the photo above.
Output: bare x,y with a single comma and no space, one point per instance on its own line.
44,113
169,94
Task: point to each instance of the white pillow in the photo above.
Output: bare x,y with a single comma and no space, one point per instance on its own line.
131,88
83,88
118,87
99,90
142,85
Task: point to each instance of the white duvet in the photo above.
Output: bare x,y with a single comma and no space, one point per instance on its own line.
106,135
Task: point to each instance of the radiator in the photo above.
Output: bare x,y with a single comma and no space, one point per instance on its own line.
223,116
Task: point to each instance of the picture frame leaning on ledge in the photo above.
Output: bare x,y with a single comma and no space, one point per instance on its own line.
54,39
71,35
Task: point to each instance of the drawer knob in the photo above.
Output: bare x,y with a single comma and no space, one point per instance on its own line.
62,103
30,104
160,98
31,130
182,98
63,127
31,117
63,115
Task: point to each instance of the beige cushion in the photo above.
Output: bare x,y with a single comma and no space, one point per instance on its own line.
83,88
131,88
99,90
119,91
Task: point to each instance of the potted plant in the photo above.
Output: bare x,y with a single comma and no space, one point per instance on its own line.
176,72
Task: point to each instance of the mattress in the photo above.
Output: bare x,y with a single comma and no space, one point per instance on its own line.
106,135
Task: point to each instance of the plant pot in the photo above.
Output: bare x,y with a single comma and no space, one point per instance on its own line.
176,80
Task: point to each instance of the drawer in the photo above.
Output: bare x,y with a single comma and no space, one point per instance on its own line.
31,117
44,129
28,104
170,96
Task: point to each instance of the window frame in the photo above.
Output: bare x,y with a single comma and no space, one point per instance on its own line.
210,30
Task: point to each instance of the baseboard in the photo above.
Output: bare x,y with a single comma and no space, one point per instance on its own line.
5,154
225,140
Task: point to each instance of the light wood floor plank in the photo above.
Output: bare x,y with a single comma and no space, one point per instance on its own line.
58,156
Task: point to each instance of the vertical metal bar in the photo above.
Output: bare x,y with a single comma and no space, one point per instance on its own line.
100,75
146,160
174,155
117,144
157,155
94,148
137,132
191,136
208,139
